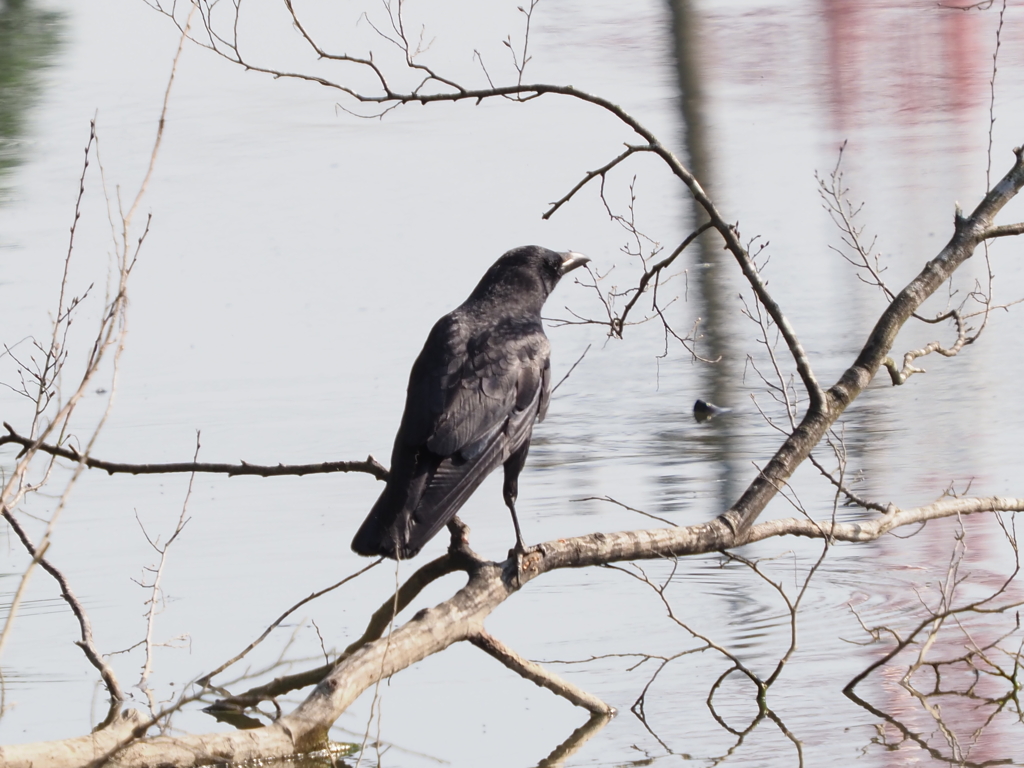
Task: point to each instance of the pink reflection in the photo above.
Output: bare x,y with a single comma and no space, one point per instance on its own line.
958,716
915,62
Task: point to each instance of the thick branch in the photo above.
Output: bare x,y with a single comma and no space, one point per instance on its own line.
379,622
1006,230
461,618
537,674
75,752
893,518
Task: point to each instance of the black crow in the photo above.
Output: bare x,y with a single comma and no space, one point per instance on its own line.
475,390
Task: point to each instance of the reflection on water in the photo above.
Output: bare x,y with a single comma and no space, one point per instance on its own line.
958,702
31,607
954,692
710,279
29,39
903,61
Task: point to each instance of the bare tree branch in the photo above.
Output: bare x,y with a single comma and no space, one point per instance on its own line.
1006,230
87,644
370,466
537,674
968,234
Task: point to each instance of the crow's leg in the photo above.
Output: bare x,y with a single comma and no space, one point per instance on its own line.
520,546
513,466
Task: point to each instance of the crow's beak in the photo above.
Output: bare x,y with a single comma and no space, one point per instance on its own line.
571,260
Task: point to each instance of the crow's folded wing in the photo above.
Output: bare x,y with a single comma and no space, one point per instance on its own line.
471,403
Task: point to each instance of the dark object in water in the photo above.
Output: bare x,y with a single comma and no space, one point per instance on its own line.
481,381
705,411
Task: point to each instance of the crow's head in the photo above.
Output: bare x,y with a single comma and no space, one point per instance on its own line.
527,272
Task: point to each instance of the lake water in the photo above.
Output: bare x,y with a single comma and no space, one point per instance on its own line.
297,256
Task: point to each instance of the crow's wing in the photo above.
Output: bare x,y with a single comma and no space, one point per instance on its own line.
499,370
472,401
